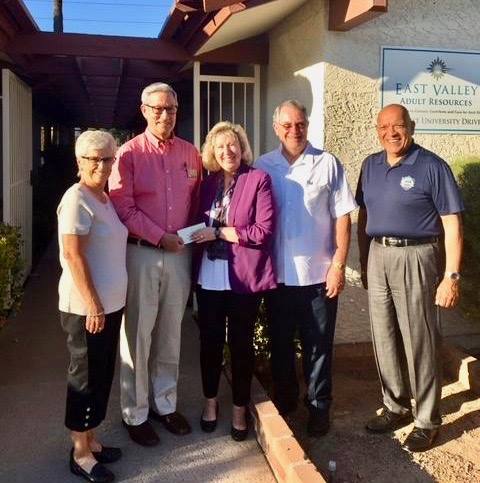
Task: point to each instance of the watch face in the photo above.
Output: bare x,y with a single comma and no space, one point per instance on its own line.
453,275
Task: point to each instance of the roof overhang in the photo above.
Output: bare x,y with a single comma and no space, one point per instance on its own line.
202,25
347,14
96,80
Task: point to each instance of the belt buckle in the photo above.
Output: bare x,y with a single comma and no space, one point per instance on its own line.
392,241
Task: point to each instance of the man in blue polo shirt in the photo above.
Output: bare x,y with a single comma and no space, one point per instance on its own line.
408,198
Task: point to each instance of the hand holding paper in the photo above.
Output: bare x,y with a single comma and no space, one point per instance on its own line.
186,233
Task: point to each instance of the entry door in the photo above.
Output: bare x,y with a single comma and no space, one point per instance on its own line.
227,98
17,159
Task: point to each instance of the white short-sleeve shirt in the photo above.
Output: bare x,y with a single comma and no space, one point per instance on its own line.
309,196
81,213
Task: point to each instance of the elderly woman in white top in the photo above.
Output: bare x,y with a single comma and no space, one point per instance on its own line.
92,292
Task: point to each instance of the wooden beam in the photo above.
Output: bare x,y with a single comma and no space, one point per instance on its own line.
47,43
211,5
249,51
346,14
215,23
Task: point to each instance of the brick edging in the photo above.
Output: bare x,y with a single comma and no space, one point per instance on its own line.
286,458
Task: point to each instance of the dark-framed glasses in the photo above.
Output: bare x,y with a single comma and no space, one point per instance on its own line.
97,160
170,110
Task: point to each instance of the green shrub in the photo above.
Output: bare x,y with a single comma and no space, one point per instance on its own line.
261,340
11,266
467,172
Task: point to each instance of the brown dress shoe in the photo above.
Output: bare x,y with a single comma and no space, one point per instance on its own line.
173,422
388,421
143,434
420,439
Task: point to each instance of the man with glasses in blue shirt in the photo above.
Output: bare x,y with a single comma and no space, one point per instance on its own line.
408,198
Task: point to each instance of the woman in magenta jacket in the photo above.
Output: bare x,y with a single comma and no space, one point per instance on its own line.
233,268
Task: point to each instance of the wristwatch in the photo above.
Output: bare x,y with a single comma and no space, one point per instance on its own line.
217,232
455,276
338,265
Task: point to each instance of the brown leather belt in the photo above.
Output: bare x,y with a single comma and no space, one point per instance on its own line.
140,242
392,241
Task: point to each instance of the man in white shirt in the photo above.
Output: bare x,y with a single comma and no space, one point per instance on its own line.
313,203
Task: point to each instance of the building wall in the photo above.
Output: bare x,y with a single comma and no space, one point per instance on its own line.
346,98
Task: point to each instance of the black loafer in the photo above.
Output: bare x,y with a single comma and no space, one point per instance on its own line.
107,455
143,434
173,422
98,474
388,421
420,439
209,426
318,425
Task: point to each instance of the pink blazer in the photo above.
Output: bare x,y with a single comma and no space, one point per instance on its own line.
252,213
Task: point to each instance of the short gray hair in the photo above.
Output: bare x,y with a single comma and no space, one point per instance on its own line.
292,103
94,140
157,87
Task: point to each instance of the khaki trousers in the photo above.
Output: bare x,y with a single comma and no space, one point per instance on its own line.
405,324
158,289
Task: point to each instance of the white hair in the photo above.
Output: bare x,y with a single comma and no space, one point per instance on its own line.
94,140
292,103
157,87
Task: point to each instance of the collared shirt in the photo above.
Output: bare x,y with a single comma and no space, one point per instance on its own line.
407,199
309,195
154,185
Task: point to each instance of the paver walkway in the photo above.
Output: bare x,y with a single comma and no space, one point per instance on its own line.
34,444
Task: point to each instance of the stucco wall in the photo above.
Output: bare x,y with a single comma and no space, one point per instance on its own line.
348,99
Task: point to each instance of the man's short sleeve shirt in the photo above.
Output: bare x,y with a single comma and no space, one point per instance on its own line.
407,199
309,195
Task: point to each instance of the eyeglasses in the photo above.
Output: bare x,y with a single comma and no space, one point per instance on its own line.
396,127
301,126
97,160
170,110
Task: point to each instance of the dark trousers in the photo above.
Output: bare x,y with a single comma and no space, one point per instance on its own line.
214,309
91,368
307,309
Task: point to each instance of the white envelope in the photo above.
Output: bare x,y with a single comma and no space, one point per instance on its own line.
186,233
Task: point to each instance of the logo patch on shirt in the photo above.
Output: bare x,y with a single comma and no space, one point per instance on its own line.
407,183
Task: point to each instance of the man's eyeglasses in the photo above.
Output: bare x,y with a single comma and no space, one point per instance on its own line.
170,110
97,160
301,126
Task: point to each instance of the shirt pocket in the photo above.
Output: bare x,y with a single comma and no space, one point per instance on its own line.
316,196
